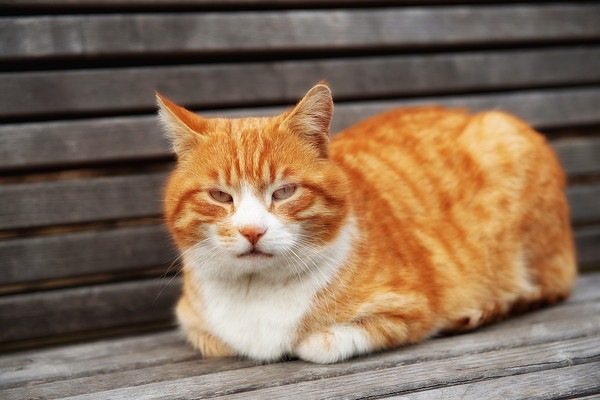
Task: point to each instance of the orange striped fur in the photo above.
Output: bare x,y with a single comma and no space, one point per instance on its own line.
411,223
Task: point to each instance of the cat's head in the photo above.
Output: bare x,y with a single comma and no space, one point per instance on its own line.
254,195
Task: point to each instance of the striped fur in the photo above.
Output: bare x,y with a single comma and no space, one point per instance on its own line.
411,223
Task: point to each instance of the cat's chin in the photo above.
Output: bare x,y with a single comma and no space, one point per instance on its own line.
254,254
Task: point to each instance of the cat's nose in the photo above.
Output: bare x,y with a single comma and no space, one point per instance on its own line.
252,233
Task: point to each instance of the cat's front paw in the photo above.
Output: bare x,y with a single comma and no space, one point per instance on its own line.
336,344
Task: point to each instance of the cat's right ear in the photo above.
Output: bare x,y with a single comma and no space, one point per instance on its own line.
311,118
183,128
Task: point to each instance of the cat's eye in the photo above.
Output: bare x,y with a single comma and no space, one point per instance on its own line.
284,192
220,196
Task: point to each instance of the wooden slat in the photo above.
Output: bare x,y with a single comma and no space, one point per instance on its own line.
585,203
84,253
578,156
276,381
57,202
77,201
132,138
121,363
120,250
130,362
557,383
210,33
23,4
587,241
65,202
224,85
87,309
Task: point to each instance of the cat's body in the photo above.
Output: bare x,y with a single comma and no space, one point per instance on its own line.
411,223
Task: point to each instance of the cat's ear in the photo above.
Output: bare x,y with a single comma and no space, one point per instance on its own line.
311,118
182,127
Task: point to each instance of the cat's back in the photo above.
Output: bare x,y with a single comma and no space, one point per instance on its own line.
436,156
443,194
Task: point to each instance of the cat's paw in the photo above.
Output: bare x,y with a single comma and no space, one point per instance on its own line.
336,344
208,345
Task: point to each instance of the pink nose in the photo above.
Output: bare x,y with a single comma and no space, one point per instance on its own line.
252,233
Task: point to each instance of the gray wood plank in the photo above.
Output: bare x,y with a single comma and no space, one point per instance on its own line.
281,374
81,200
557,383
129,362
129,249
578,156
209,33
224,85
584,202
88,308
85,200
586,288
21,4
90,359
587,240
85,253
135,138
276,381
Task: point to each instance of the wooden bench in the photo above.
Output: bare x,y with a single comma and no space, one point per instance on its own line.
87,272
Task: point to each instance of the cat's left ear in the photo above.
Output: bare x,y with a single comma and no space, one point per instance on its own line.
311,118
182,127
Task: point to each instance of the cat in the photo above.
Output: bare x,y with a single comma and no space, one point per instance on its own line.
412,223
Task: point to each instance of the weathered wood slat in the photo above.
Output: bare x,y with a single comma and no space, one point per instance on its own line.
76,369
85,309
134,138
579,156
21,4
223,85
125,249
586,288
176,370
108,198
585,203
210,33
109,357
556,383
68,311
76,201
277,381
588,247
84,253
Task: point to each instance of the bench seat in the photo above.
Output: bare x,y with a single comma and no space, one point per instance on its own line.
549,353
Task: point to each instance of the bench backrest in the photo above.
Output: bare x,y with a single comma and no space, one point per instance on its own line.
82,161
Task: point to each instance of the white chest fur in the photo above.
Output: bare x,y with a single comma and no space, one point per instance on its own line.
259,320
259,317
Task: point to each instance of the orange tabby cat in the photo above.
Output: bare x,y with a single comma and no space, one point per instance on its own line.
411,223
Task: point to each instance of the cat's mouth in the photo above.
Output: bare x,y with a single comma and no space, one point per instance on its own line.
254,253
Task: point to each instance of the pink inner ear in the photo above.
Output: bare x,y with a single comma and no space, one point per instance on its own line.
188,118
312,117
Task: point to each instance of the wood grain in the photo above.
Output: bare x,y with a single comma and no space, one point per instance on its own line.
81,200
310,30
87,308
118,355
556,383
120,250
85,253
104,140
578,156
122,90
583,200
142,4
276,381
587,240
129,196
